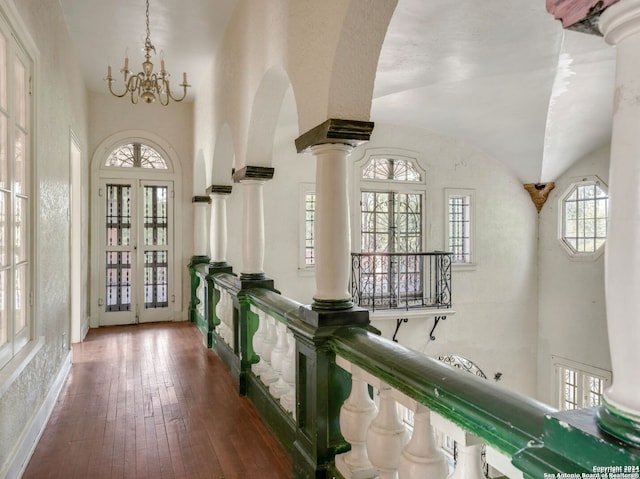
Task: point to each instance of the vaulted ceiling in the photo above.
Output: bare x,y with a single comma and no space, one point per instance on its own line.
502,74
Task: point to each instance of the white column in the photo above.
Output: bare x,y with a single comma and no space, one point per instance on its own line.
218,228
200,228
620,25
332,228
253,228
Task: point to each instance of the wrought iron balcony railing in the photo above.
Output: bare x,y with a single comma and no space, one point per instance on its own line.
401,280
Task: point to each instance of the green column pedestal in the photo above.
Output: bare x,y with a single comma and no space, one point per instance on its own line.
322,388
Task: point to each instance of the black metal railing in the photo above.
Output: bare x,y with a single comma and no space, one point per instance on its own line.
401,280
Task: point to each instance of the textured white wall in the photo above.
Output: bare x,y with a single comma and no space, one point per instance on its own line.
495,324
61,107
572,321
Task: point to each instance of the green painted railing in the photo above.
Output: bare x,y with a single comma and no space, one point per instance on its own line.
538,439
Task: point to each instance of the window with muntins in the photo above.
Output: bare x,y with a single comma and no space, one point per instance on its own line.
584,217
392,192
16,259
459,231
136,155
579,386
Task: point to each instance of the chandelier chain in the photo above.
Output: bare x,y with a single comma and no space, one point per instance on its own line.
148,85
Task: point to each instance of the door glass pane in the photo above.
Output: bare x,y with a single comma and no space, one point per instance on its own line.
21,300
3,72
118,281
155,215
4,172
4,245
20,228
156,279
4,324
21,93
20,165
118,215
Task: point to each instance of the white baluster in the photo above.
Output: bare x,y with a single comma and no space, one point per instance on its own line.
278,355
356,415
421,457
386,437
268,376
469,463
288,400
258,341
220,313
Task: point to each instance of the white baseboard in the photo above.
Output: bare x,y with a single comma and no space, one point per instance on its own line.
15,466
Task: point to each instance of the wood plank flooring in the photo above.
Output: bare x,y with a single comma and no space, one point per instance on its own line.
150,401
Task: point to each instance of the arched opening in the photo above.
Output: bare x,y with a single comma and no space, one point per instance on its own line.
134,225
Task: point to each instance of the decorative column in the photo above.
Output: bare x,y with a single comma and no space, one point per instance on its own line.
252,179
331,143
322,386
218,226
200,220
620,413
200,257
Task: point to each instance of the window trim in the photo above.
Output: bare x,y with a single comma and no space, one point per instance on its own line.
471,193
360,184
568,250
20,45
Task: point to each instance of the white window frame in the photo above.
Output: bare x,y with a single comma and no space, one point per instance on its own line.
583,373
304,190
20,347
471,195
359,184
568,249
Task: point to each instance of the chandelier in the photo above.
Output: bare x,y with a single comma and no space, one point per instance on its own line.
147,85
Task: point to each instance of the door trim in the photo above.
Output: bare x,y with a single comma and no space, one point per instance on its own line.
99,172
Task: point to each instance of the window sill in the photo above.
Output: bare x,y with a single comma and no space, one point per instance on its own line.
463,266
14,368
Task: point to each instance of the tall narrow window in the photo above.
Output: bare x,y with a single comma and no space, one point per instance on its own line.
389,271
15,197
309,219
459,230
307,216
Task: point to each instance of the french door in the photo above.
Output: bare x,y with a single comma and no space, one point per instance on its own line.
137,251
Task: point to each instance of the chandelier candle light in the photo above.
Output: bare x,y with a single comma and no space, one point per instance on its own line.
146,84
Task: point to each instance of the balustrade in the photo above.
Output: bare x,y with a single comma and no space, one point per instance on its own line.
298,379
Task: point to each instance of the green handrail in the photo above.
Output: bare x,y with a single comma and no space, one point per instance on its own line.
504,419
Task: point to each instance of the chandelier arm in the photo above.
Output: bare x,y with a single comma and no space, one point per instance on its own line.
110,80
184,93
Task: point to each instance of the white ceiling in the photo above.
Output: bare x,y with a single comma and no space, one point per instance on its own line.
500,74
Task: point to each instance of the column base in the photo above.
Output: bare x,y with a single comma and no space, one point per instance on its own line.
198,259
331,304
320,318
220,267
619,424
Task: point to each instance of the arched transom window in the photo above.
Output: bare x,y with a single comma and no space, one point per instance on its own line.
136,155
394,169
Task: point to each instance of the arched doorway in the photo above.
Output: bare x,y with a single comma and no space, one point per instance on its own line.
134,277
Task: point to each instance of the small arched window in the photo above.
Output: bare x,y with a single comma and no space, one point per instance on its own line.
136,155
391,169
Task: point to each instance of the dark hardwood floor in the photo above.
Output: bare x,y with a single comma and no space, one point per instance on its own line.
149,401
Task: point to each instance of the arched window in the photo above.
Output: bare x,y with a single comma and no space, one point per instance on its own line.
136,155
